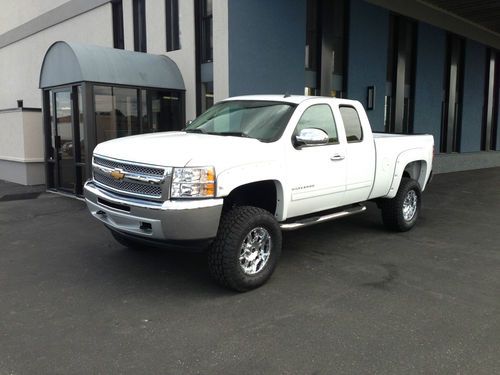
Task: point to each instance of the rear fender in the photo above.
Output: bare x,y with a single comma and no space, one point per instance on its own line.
413,163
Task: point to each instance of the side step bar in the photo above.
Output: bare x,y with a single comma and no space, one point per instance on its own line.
301,223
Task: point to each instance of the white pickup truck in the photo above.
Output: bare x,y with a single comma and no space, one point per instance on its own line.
249,168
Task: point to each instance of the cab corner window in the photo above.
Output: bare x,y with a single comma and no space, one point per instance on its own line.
352,124
319,116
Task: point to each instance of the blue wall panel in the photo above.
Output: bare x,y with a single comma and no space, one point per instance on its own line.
266,46
368,42
473,100
429,82
498,126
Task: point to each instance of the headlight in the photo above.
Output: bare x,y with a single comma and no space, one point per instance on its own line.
196,182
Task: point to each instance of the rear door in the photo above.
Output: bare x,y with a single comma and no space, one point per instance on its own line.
360,153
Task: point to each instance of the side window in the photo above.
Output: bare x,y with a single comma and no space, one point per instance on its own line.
319,116
352,124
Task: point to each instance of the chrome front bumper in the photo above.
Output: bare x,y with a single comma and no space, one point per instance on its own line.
175,220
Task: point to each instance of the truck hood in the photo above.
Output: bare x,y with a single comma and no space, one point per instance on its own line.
179,149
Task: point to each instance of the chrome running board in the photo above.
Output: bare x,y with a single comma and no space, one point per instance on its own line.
301,223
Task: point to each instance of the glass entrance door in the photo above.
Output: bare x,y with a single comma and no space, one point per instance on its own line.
64,141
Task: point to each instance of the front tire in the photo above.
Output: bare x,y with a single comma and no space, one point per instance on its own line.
401,212
246,249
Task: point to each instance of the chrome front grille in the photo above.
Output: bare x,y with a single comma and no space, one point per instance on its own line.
134,179
127,167
128,187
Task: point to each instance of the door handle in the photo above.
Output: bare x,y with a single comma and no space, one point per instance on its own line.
337,157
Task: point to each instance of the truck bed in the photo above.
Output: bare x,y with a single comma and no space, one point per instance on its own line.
389,148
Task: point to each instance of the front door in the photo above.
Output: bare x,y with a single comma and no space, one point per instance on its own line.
317,173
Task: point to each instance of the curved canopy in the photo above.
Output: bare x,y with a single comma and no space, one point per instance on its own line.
66,63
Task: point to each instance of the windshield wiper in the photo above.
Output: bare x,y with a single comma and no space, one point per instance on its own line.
233,134
228,134
195,130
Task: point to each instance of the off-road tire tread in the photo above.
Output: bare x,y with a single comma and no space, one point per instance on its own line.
232,228
392,216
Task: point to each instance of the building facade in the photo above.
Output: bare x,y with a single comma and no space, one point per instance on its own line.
78,72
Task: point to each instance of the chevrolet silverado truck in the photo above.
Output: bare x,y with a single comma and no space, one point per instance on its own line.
249,168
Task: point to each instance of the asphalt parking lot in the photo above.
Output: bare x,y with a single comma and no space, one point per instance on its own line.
348,297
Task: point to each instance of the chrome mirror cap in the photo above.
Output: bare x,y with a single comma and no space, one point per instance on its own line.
311,137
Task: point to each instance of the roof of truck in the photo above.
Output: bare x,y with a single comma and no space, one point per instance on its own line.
295,99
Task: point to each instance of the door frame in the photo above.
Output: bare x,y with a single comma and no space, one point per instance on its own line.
53,163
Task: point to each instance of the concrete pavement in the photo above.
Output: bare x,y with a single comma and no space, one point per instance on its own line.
348,297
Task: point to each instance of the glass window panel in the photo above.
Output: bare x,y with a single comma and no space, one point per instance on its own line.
166,110
145,120
263,120
172,23
207,91
206,31
139,24
117,11
352,124
104,114
64,131
116,111
319,117
125,101
52,128
83,152
208,7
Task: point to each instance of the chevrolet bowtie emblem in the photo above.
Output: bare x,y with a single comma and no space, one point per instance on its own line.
117,174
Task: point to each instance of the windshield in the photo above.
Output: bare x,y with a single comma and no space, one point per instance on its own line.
262,120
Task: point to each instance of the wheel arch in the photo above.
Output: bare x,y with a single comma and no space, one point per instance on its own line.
265,194
416,170
412,164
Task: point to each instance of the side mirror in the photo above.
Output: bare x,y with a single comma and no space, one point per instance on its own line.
189,123
311,137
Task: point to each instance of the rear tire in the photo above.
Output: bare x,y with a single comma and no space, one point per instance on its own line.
401,212
246,249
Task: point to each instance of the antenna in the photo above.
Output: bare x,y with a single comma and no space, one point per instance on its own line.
287,95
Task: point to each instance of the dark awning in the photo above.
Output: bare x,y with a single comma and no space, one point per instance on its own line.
67,63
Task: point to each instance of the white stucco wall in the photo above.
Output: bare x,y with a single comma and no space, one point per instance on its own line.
33,133
12,136
21,147
16,12
128,25
156,26
21,61
221,53
21,136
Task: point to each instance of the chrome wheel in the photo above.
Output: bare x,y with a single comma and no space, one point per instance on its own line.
255,251
410,205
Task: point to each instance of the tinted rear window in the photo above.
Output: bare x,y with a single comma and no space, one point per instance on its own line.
352,124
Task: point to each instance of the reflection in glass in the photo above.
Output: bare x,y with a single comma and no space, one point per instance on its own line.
121,112
206,31
207,92
165,111
116,112
83,152
52,149
64,140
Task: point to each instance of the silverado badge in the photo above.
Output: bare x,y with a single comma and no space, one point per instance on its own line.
117,174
